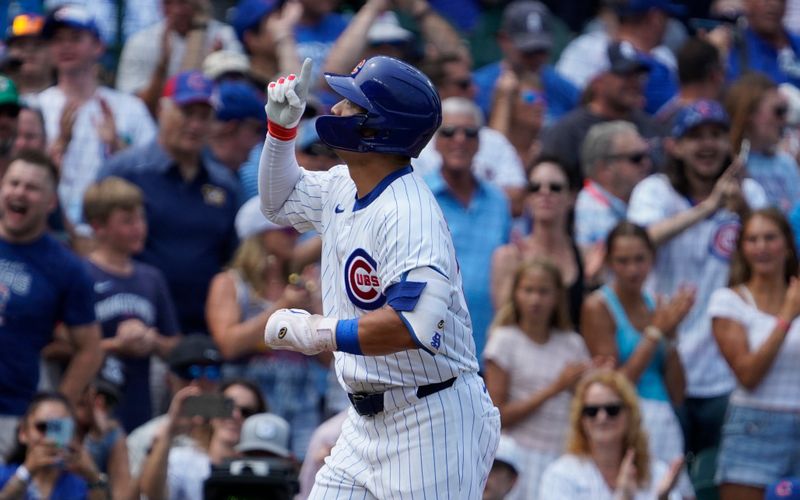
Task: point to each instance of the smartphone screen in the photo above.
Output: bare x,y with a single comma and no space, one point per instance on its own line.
208,406
60,431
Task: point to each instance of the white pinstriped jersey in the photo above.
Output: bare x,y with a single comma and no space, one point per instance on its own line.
370,244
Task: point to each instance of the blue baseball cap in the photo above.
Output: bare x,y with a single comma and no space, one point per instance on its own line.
698,113
785,489
249,13
190,87
71,16
239,100
640,6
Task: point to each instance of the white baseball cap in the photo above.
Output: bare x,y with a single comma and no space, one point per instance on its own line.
250,220
508,453
221,62
265,432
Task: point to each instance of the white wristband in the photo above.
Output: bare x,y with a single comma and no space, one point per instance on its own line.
23,474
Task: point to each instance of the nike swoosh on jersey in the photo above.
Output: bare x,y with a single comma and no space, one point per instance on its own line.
338,209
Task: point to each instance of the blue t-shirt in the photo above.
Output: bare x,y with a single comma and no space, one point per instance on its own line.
68,485
779,176
763,57
142,295
191,233
41,284
561,95
477,230
794,220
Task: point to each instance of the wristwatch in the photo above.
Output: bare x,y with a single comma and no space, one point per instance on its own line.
23,474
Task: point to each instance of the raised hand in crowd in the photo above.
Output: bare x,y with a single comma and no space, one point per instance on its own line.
626,478
669,314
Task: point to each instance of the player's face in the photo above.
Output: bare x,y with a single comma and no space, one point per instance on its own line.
27,196
347,108
604,429
457,141
764,247
704,150
74,49
536,296
630,260
125,230
549,197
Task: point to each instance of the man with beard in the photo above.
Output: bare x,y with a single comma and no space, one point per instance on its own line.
616,94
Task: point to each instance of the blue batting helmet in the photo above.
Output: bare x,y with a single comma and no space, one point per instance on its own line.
403,109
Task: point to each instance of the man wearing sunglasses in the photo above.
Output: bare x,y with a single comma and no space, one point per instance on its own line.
614,158
477,213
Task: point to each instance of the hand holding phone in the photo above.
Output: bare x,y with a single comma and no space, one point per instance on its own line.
60,431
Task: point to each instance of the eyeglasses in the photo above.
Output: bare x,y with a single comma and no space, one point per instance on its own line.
40,426
553,187
450,132
637,158
780,111
463,84
195,372
26,24
611,410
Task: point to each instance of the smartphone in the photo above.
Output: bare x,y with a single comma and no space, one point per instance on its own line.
744,152
208,406
60,431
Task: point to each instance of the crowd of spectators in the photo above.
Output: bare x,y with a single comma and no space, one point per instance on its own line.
620,178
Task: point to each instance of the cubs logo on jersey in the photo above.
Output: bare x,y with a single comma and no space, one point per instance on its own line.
361,281
724,241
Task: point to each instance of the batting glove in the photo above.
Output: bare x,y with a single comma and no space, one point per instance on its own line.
286,98
298,330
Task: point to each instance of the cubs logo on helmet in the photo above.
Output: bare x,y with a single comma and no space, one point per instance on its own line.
361,281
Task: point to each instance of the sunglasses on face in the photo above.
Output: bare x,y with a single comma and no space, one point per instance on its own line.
450,132
531,96
636,158
245,411
195,372
553,187
780,111
611,410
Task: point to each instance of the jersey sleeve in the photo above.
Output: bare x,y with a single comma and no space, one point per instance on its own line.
649,201
412,234
291,195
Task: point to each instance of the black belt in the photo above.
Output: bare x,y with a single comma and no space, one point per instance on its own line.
370,404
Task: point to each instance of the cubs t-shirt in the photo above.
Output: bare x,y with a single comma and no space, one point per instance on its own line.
41,284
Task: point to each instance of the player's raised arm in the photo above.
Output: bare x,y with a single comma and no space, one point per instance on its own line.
278,172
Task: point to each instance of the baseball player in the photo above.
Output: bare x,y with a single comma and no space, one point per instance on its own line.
421,424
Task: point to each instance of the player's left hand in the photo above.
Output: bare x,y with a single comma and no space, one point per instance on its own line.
298,330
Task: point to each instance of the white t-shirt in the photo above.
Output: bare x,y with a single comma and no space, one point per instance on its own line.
780,387
699,256
577,478
187,469
496,161
531,368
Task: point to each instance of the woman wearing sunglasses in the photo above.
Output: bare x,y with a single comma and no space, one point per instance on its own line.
49,461
532,361
622,321
179,472
758,113
607,453
755,324
548,204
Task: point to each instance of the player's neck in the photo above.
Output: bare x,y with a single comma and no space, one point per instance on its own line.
368,169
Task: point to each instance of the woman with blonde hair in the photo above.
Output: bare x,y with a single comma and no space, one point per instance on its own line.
754,323
532,360
607,452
